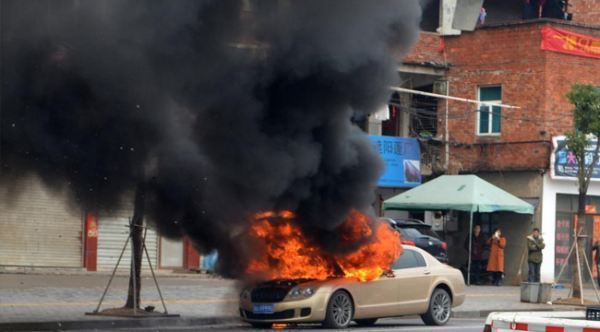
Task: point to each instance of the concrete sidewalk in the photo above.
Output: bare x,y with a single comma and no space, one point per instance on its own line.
481,300
61,301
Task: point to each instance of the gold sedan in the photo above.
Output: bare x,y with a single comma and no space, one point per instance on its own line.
418,285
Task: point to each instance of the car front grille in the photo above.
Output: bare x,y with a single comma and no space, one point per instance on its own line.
269,294
276,315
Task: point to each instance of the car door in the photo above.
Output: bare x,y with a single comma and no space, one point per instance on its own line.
375,298
412,281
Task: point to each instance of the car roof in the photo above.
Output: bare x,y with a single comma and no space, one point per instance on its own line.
406,222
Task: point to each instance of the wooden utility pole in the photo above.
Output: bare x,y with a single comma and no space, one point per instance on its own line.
137,225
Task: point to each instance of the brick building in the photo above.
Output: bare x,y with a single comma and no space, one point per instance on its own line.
502,61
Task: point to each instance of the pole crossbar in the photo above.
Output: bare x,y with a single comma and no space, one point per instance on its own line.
575,248
135,285
112,276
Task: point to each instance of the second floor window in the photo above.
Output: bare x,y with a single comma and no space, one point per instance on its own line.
489,117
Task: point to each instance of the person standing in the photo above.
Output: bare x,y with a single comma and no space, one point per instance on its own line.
535,245
596,259
496,261
477,248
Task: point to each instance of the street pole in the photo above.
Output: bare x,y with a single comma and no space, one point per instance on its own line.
2,20
446,131
470,248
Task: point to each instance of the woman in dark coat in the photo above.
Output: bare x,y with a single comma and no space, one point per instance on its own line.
477,249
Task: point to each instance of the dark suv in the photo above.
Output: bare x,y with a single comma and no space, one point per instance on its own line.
417,233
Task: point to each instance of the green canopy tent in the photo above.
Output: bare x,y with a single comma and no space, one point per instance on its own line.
461,193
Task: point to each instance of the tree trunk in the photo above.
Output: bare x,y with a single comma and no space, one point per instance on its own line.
137,231
580,243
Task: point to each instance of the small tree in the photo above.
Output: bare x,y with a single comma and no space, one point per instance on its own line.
586,115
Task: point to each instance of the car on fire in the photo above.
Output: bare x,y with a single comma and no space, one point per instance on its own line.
417,284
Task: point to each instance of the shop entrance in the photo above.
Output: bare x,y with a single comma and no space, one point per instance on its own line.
566,210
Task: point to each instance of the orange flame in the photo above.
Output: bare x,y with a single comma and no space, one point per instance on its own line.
286,253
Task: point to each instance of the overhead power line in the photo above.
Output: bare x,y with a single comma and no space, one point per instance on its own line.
466,100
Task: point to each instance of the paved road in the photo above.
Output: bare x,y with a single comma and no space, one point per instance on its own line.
26,298
34,298
393,324
63,299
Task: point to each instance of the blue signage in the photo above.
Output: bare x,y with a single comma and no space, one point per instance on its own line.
402,158
565,165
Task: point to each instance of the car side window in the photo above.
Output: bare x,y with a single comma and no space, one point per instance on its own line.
409,259
420,259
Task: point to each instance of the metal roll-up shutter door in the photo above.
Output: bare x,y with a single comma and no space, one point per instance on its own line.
112,233
38,228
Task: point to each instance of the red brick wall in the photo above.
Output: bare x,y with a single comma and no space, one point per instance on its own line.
532,79
585,11
561,72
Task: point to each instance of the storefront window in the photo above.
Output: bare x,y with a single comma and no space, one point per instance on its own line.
563,242
566,210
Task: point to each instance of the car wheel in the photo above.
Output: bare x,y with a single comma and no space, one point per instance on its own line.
262,325
340,310
366,322
440,308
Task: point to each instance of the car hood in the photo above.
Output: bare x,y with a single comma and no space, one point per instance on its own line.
291,283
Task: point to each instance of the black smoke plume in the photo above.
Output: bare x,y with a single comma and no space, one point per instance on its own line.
220,108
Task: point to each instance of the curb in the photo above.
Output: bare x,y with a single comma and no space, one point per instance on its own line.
485,313
116,323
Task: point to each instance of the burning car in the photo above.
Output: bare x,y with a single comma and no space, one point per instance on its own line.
416,284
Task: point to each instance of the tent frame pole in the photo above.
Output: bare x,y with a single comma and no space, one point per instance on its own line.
470,248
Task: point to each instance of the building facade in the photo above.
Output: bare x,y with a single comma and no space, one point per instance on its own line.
40,229
506,60
495,59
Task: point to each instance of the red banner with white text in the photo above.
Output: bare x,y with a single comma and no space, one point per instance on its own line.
568,42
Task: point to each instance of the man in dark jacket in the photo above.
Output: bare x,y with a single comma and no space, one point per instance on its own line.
477,248
535,245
